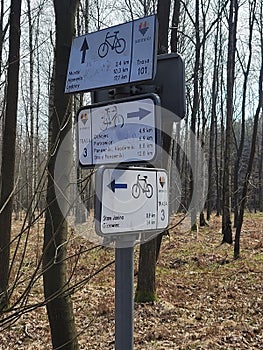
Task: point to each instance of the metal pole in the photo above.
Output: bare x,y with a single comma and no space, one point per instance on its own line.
124,304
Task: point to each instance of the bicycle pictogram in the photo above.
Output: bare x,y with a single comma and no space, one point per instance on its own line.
111,118
142,186
113,42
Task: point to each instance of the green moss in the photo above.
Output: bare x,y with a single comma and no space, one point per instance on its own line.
164,271
145,296
259,257
257,215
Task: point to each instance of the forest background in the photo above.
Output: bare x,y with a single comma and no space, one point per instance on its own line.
222,46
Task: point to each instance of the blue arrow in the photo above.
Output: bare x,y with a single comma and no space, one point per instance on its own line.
141,113
113,185
84,48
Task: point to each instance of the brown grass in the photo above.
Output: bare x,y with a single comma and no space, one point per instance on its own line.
206,300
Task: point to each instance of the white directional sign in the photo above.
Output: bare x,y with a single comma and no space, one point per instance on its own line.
131,200
118,55
121,132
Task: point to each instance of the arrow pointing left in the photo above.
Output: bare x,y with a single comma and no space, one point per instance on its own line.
84,48
113,185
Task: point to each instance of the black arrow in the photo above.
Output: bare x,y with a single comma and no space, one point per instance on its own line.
141,113
84,49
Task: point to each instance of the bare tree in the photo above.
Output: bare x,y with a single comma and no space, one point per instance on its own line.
212,132
31,170
246,70
146,290
175,25
253,143
3,31
232,28
59,305
8,149
260,169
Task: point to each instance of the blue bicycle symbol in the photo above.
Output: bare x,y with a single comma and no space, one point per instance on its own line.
113,42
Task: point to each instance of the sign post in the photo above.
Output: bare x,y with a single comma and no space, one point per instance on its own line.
124,304
131,204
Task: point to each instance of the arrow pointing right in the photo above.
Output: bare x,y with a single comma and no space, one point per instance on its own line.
141,113
84,48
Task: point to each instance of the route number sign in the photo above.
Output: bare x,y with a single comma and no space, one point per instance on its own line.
131,200
118,55
120,132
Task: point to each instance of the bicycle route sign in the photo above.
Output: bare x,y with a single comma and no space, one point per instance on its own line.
117,55
126,131
131,200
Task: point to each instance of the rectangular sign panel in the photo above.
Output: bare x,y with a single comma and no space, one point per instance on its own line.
169,83
122,132
131,200
114,56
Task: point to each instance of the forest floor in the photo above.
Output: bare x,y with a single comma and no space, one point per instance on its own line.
206,300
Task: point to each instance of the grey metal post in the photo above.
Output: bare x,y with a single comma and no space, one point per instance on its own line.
124,304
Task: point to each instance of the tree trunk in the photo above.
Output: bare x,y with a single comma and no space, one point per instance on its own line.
30,128
202,137
59,306
175,25
261,169
226,218
163,13
236,192
212,137
196,98
146,290
252,148
250,165
8,149
3,31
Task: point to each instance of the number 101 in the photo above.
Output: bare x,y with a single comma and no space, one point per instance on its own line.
142,70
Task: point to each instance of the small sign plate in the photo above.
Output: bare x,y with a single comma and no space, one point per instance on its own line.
131,200
114,56
121,132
